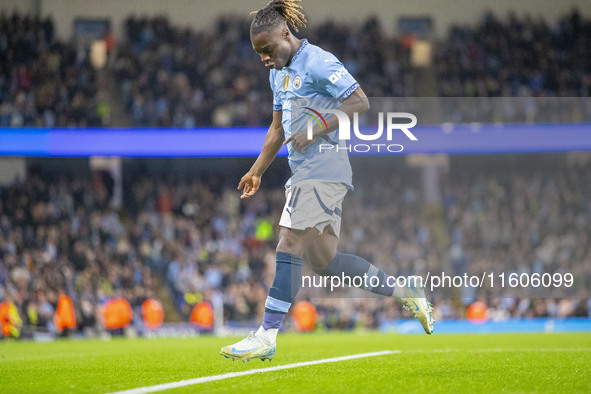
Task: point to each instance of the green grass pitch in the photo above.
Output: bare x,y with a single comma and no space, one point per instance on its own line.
437,363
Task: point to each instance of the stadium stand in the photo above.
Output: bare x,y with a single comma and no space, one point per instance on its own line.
57,237
172,77
45,82
58,234
517,57
179,77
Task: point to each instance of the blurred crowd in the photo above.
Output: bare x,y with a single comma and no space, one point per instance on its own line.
523,218
533,220
519,56
196,238
58,236
170,76
45,82
173,77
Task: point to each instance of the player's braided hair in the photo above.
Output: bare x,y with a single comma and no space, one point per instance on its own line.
275,12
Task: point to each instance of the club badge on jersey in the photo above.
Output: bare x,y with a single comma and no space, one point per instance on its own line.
313,73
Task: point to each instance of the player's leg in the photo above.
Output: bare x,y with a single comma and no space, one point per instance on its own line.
286,283
325,261
322,250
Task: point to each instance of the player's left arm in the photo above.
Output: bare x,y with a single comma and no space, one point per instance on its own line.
357,102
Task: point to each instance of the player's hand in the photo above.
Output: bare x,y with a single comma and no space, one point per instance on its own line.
299,141
250,182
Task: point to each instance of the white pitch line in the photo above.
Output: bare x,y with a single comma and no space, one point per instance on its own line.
498,350
205,379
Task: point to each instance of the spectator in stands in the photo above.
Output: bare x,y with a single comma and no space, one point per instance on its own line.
517,57
44,82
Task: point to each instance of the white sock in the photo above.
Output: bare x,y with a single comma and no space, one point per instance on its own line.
270,335
398,293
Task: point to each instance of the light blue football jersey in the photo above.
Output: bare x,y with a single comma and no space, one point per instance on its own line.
313,73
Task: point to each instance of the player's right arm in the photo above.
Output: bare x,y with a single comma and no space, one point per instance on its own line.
273,142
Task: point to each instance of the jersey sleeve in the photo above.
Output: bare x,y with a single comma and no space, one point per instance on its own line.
332,76
276,101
